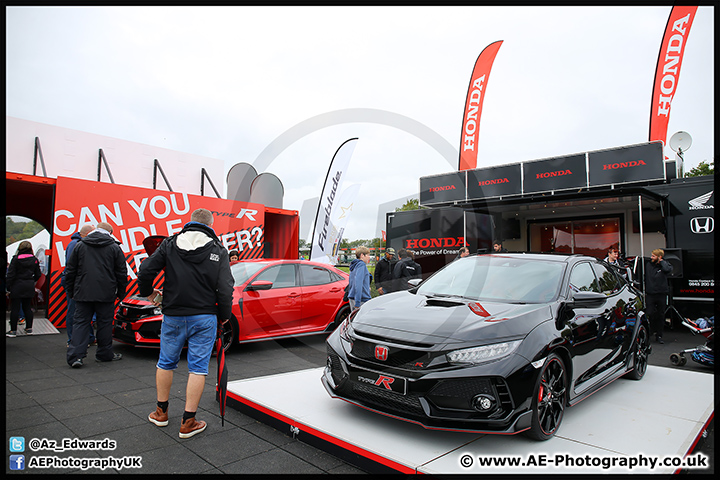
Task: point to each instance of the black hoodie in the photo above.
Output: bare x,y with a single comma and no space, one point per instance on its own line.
197,273
656,280
96,270
23,272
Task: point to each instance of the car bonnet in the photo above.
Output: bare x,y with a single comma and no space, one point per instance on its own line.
418,318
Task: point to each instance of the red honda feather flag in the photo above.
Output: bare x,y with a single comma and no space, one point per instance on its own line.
473,107
667,72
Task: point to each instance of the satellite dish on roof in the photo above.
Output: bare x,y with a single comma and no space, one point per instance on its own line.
680,142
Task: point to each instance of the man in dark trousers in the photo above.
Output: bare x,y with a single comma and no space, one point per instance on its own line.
656,291
95,275
384,271
75,238
196,294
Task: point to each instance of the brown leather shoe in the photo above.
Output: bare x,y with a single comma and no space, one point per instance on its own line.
191,427
158,417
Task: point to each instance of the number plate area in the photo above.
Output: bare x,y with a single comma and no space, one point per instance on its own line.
379,380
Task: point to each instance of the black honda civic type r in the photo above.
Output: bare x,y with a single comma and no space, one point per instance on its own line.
498,343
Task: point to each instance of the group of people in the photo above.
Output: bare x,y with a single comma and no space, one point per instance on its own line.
391,274
657,288
196,298
497,247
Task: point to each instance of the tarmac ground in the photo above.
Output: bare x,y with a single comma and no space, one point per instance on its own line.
49,401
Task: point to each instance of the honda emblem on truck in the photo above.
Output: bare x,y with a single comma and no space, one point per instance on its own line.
702,224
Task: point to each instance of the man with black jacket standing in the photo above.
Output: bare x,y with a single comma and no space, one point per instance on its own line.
656,291
196,294
405,269
75,238
384,272
95,275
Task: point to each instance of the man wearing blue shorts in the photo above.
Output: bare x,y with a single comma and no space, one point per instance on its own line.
197,292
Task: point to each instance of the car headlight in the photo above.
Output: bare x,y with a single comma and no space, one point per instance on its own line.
345,330
482,354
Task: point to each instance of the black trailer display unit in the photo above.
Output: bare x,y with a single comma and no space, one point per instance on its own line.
436,235
628,197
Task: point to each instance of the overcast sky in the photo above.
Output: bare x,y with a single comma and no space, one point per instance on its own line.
228,82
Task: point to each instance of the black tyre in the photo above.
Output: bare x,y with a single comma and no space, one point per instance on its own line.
339,318
549,399
641,352
229,333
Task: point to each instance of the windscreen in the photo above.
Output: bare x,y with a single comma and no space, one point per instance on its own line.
497,278
241,271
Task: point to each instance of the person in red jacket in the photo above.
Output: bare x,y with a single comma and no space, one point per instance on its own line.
22,273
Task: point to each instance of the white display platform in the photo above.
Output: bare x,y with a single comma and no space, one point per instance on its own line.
659,417
41,326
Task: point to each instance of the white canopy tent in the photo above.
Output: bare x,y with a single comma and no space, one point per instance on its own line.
40,243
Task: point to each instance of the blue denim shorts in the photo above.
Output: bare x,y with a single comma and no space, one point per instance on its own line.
199,331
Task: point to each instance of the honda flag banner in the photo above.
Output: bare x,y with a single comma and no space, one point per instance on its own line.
668,69
473,107
323,237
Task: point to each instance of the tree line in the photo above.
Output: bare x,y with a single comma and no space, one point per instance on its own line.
16,231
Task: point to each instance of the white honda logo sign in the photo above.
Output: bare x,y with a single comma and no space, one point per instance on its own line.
702,224
700,203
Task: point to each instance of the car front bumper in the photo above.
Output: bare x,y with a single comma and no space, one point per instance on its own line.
475,399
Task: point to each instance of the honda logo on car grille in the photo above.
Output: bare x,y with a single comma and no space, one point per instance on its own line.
381,352
702,224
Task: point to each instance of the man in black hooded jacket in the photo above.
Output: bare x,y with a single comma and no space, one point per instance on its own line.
95,275
405,269
656,291
197,293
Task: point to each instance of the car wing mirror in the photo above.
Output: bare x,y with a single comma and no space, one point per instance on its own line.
152,242
578,300
259,285
587,300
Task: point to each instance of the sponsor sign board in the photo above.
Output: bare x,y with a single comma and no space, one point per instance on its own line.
444,188
561,173
634,163
494,182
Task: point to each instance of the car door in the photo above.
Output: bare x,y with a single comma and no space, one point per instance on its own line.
322,292
270,312
622,304
591,347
